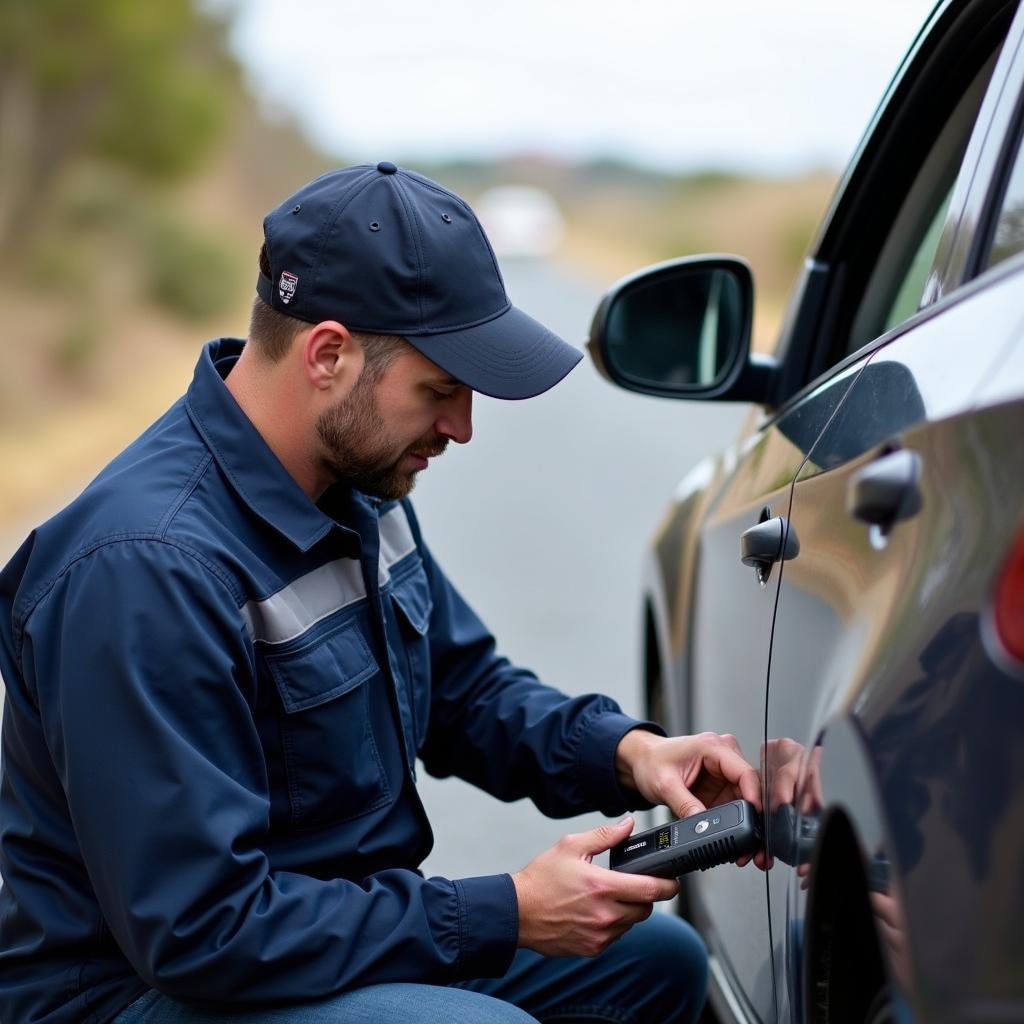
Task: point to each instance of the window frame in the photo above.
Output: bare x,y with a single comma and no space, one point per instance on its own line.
807,352
1004,148
954,256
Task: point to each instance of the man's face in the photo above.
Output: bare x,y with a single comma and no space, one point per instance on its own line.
382,434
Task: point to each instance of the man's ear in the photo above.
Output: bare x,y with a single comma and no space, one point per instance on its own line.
331,358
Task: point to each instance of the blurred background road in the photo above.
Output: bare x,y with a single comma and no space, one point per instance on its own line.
141,144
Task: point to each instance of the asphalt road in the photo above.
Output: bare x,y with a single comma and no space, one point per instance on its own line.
542,523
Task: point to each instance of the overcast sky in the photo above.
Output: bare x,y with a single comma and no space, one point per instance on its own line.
768,85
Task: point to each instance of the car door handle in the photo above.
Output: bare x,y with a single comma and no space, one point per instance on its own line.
887,490
762,546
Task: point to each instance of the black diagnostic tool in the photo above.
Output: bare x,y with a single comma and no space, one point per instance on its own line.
715,836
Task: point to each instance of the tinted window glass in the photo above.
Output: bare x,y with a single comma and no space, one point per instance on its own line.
896,283
908,298
1008,239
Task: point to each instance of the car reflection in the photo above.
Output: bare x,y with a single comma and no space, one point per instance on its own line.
794,798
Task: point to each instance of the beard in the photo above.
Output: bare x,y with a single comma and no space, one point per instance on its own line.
359,452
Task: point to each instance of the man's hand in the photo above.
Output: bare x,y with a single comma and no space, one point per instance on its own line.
688,774
571,907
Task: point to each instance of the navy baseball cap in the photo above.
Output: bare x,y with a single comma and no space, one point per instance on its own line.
386,251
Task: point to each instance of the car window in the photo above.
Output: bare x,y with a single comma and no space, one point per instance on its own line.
908,297
1008,238
878,250
896,281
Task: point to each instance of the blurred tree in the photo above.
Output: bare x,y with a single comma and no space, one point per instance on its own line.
144,85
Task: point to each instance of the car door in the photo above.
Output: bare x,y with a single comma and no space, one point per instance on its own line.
730,642
877,642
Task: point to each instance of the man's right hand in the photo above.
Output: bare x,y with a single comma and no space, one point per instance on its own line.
571,907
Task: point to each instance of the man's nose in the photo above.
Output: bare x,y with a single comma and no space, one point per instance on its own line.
456,421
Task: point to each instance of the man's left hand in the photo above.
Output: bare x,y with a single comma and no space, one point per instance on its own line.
686,773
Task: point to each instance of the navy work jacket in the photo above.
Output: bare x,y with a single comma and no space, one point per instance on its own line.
216,693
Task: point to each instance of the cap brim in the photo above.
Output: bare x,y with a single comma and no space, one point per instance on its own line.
512,356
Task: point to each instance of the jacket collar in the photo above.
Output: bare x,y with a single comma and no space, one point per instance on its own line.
247,461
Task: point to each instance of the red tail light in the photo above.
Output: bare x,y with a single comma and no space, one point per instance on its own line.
1009,601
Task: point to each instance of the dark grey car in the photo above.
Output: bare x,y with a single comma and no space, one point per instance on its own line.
843,589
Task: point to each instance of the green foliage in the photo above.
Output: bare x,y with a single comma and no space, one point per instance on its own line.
145,86
67,46
163,128
190,274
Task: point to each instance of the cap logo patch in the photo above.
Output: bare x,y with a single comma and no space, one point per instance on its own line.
286,286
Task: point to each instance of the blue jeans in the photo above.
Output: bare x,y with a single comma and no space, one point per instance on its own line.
655,974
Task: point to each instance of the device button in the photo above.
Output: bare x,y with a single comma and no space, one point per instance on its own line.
701,826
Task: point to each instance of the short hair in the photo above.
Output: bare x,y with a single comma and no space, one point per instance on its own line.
272,333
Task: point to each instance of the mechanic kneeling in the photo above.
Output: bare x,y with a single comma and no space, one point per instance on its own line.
224,658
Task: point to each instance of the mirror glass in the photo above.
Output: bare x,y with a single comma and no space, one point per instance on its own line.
681,330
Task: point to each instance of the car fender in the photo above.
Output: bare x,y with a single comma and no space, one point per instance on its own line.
668,576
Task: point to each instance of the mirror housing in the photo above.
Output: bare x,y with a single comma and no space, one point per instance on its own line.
681,329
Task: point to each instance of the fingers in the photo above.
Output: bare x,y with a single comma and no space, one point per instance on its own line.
597,840
634,913
628,888
728,738
730,765
686,804
690,773
720,774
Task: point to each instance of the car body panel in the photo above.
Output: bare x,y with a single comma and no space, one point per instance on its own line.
942,724
845,605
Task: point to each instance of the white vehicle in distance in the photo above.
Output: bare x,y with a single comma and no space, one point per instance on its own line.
521,221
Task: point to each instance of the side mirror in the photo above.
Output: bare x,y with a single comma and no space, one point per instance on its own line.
679,329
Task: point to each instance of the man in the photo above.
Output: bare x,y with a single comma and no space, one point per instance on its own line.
225,656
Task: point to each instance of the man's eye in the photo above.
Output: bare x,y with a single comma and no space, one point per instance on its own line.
438,394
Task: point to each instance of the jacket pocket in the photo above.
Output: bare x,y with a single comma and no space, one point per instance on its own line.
333,767
411,597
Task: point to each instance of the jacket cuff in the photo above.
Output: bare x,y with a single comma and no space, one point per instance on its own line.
598,774
488,926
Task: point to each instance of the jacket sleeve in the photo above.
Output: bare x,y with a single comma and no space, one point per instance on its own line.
144,677
498,727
